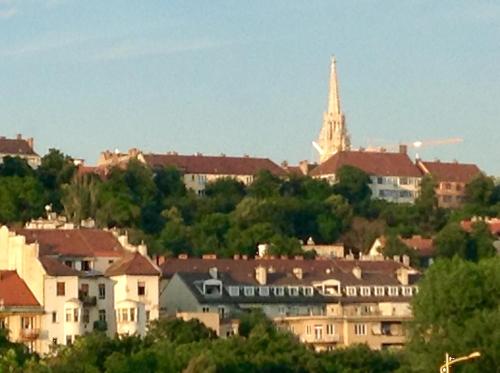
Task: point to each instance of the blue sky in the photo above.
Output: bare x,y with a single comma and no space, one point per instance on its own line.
250,77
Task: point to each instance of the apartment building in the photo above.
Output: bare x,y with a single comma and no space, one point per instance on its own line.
326,303
19,147
82,280
393,176
451,179
197,170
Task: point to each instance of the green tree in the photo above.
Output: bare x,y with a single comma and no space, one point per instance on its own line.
21,199
264,185
452,240
353,184
15,166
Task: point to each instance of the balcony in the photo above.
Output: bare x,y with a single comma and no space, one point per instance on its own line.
330,338
86,299
30,334
100,325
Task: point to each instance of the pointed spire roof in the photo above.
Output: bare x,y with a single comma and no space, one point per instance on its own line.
333,93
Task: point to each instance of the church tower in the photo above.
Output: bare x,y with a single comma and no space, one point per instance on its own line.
333,136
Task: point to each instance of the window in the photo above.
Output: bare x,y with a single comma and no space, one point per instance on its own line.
86,265
54,342
360,329
308,330
234,291
282,310
447,186
248,291
350,291
365,291
86,316
379,291
110,261
403,181
68,263
330,329
404,193
102,315
124,313
141,288
407,291
102,291
264,291
205,309
447,199
3,323
222,312
132,314
293,291
318,332
279,291
54,316
69,314
380,180
84,289
393,291
61,289
308,291
75,314
148,315
69,340
458,187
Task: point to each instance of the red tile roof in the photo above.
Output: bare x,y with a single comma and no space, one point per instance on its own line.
373,163
452,172
493,225
53,267
280,271
424,246
14,292
133,264
74,242
221,165
15,147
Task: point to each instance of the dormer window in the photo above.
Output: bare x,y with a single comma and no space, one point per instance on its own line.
279,291
379,291
407,291
365,291
249,291
393,291
308,291
350,291
293,291
264,291
212,287
234,291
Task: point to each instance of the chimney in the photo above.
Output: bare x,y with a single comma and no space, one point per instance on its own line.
31,142
244,257
403,149
261,274
396,258
236,257
160,259
19,136
183,256
406,260
356,271
402,275
213,272
297,271
209,256
299,257
304,167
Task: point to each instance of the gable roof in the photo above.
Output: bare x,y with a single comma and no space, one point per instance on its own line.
216,165
133,264
423,246
15,147
373,163
451,171
14,292
53,267
74,242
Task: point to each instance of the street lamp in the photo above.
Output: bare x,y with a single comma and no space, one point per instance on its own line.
450,361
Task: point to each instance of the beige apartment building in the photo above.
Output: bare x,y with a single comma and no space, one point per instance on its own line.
197,170
80,280
19,147
326,303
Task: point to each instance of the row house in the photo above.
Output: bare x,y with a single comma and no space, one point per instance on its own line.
393,176
82,280
451,179
19,147
198,169
326,303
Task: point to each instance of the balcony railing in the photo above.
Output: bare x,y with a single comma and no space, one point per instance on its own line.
30,334
100,325
86,299
327,338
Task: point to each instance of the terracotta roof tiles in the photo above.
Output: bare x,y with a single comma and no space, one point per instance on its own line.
15,147
452,172
14,292
133,264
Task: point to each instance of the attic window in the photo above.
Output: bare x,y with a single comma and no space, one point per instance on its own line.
308,291
393,291
407,291
234,291
293,291
249,291
279,291
350,291
264,291
365,291
379,291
